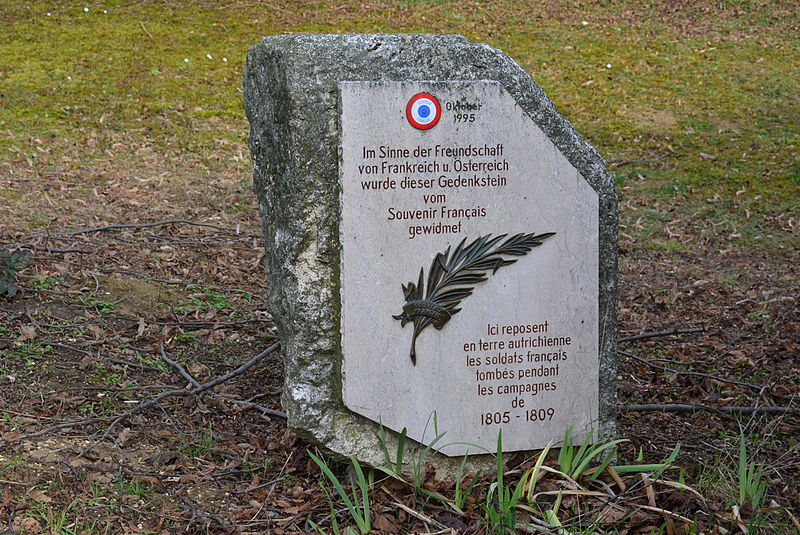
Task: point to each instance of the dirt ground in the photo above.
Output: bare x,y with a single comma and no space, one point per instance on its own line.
139,253
83,340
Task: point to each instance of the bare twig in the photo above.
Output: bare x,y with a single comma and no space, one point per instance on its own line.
420,516
107,389
280,474
58,325
47,249
132,364
196,323
150,35
147,225
619,162
177,366
694,407
257,487
759,399
69,347
149,403
252,398
55,427
664,333
25,415
130,272
260,408
192,508
195,391
755,387
7,482
247,404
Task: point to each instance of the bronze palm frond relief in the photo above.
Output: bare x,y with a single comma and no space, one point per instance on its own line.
452,278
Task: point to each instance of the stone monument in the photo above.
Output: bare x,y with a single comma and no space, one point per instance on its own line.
441,246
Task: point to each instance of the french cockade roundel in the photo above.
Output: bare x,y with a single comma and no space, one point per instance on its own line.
423,111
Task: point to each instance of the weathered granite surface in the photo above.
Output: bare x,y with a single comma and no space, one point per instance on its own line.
292,103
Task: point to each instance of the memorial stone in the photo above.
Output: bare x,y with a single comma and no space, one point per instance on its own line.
441,246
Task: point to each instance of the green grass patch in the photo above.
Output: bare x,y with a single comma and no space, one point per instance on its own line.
33,352
708,100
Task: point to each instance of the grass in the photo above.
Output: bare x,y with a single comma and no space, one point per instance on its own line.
568,494
104,307
43,515
743,486
8,465
57,521
203,299
501,499
752,484
45,283
203,445
33,354
133,488
708,115
101,375
358,504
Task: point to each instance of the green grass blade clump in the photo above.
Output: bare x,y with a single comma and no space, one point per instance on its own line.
357,506
752,487
502,500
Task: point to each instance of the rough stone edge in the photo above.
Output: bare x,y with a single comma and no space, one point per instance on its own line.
302,159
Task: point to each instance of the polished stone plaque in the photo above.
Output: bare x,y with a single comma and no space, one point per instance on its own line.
469,269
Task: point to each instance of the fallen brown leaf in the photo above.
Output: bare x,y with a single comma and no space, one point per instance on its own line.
28,332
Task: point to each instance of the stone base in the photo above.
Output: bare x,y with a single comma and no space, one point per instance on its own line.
291,98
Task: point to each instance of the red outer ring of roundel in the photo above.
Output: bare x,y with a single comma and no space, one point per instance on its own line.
410,116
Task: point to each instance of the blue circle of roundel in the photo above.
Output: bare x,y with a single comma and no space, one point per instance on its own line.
423,111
